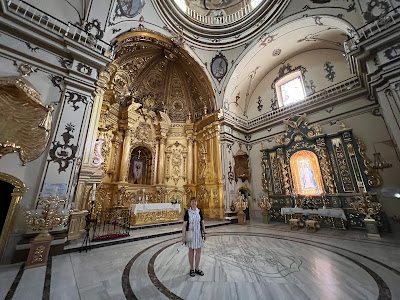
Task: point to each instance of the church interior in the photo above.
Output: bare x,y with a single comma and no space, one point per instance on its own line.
282,119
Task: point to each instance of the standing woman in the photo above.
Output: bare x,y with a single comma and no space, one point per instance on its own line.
194,222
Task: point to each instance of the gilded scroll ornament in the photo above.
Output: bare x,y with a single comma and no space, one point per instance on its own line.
242,165
284,170
7,148
341,160
276,173
25,123
322,153
374,179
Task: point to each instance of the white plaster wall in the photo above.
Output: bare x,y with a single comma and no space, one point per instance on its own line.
61,9
31,173
314,62
342,8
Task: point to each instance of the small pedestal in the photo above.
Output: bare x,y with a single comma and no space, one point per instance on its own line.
372,228
266,217
241,218
39,251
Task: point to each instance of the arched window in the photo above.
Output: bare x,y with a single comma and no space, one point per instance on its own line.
140,166
306,173
290,89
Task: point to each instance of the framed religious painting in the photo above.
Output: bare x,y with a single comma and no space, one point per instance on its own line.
219,66
130,8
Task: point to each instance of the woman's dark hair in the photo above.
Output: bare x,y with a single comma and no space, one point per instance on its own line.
193,199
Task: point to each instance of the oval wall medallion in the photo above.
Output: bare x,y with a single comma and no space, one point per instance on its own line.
130,8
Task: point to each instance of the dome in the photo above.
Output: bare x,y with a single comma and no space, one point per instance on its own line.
217,23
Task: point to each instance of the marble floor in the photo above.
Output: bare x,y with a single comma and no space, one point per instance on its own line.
256,261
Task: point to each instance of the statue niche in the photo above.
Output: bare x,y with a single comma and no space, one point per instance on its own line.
242,165
140,166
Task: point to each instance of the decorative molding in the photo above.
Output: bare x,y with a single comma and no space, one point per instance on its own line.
25,122
56,81
74,98
85,69
64,154
329,70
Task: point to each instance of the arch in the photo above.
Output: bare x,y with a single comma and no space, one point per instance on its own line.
141,166
150,149
18,192
284,35
306,173
144,56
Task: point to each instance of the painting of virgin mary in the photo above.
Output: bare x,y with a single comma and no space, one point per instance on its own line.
306,173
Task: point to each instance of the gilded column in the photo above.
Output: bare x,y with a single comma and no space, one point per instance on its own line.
284,170
325,166
156,161
212,153
102,85
161,160
195,156
189,136
112,160
190,161
126,149
218,157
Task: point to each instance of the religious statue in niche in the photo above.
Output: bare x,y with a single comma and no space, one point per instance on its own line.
137,170
242,165
306,173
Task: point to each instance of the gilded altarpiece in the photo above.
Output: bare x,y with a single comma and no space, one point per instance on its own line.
155,103
329,168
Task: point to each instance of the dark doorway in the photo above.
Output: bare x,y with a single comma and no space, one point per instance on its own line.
6,190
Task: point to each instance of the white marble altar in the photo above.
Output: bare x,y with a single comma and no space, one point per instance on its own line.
151,207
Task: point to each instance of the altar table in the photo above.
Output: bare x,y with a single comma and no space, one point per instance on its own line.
331,212
151,213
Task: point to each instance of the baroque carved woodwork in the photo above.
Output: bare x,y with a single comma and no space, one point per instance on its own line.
25,122
242,165
156,99
156,73
334,167
176,154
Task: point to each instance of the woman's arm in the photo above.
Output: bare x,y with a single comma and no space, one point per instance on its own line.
203,229
184,232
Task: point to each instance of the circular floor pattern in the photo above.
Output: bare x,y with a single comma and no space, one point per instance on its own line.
251,266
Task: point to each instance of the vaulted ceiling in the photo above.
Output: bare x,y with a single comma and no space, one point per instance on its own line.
154,71
282,44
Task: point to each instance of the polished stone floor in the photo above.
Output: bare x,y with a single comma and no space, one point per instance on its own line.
256,261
